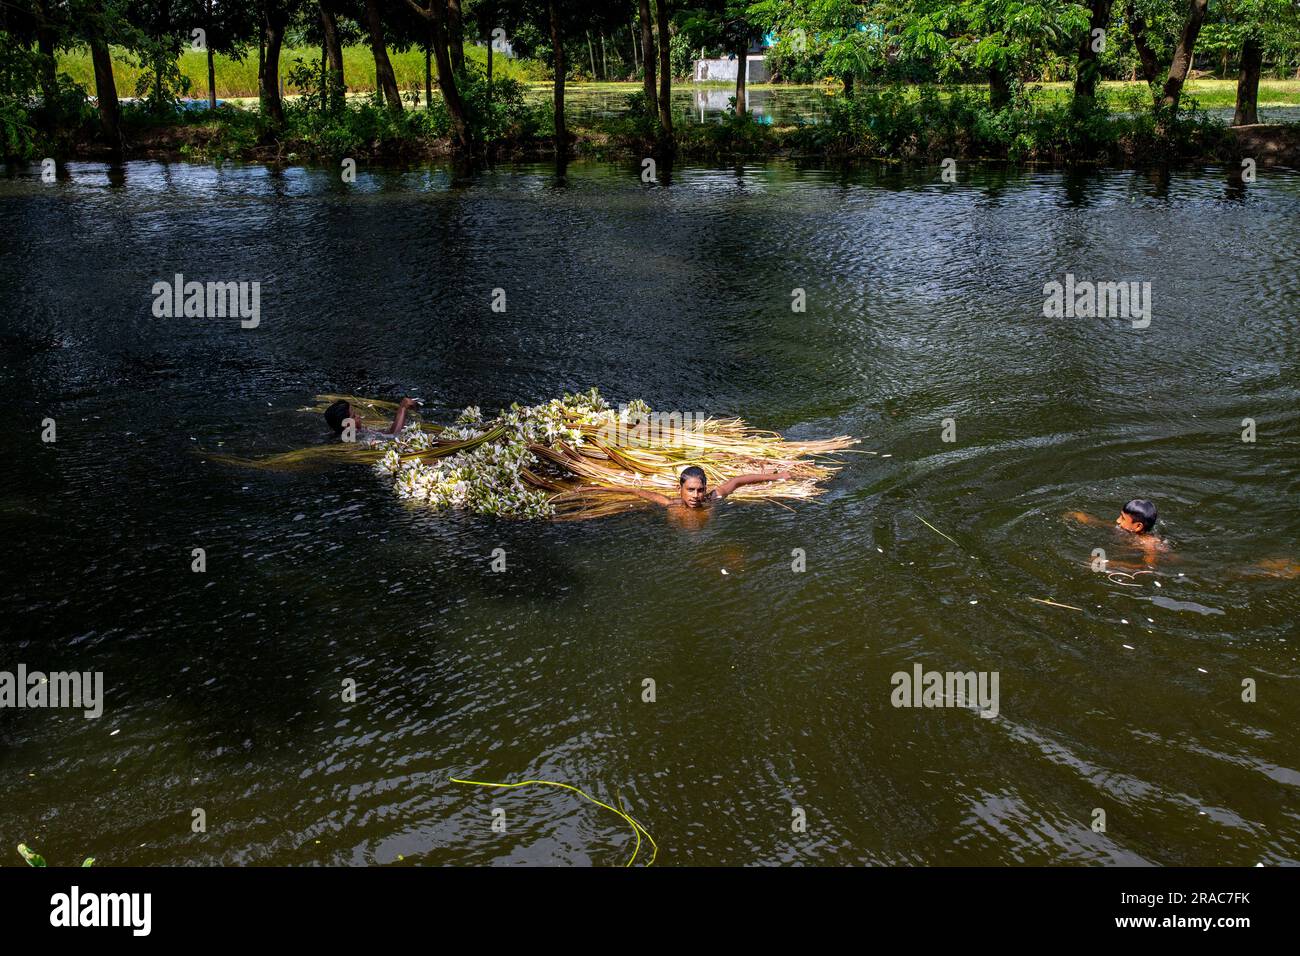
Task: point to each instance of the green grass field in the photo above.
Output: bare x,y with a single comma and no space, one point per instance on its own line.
239,78
1209,93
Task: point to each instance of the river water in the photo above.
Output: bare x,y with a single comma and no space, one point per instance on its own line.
223,689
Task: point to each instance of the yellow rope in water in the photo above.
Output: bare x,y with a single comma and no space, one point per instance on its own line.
934,529
637,829
1055,604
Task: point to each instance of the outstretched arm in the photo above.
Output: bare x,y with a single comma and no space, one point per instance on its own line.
400,420
731,484
640,492
652,496
1087,519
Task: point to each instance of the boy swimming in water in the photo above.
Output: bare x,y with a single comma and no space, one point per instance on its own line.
1137,518
338,415
693,488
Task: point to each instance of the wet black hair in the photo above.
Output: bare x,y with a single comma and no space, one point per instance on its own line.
336,414
695,471
1139,509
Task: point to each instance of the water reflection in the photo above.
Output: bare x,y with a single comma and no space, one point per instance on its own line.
770,105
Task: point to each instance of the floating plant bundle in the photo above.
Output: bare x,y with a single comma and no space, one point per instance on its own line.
572,457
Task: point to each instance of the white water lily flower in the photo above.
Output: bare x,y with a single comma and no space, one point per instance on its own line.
488,479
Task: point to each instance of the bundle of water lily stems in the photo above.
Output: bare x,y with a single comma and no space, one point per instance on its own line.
570,457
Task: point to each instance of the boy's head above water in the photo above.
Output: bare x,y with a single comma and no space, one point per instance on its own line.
1138,516
693,485
337,414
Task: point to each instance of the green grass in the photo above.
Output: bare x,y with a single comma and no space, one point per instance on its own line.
1210,94
239,78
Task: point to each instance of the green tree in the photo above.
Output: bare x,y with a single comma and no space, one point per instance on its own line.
99,23
1091,46
435,14
1006,40
1181,63
839,34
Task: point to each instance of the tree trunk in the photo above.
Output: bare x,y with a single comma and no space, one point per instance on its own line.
45,41
648,56
384,75
274,32
848,85
212,68
591,55
604,58
436,15
261,71
635,65
47,38
456,35
999,89
334,52
1147,56
557,45
665,71
1252,58
1089,70
212,79
428,72
1182,62
105,87
742,71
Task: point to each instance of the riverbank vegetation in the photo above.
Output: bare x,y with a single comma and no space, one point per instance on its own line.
405,79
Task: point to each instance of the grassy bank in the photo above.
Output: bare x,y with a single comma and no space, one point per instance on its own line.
238,78
928,124
1210,94
917,124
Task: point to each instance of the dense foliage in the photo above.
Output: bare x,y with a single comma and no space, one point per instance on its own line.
406,77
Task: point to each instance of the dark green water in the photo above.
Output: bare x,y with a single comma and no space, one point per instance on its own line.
222,690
